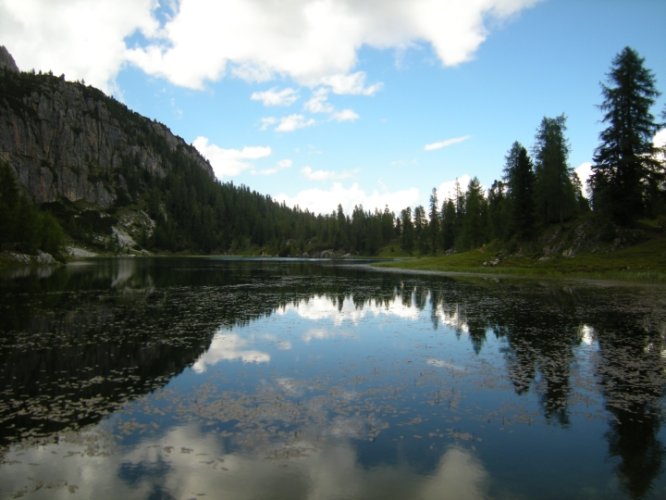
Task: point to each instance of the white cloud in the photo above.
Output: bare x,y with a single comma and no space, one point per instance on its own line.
310,41
325,201
447,189
313,42
267,122
281,165
434,146
353,84
230,162
294,122
82,39
659,141
318,103
324,175
346,115
227,346
584,171
274,97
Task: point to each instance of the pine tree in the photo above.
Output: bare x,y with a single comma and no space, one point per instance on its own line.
448,225
624,163
421,229
555,199
434,222
407,237
474,226
498,207
519,177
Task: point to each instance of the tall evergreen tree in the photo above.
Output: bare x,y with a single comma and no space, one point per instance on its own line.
555,199
624,163
474,227
448,224
499,221
421,229
519,177
407,237
434,222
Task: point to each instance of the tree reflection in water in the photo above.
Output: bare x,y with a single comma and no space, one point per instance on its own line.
81,342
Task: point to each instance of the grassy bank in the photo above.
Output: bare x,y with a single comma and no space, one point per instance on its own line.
644,262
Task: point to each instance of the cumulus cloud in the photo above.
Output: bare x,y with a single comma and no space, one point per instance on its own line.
353,84
324,175
230,162
325,201
267,122
311,42
318,103
447,189
346,115
281,165
78,38
294,122
434,146
274,97
584,172
227,346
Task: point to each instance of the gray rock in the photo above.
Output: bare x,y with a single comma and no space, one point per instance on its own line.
69,141
7,61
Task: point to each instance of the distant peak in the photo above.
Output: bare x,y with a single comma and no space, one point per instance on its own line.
7,61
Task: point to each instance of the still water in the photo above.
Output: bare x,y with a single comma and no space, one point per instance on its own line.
212,378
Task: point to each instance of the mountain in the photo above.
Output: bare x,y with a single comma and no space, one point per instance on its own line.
78,163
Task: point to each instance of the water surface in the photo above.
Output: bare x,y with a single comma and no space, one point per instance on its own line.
213,378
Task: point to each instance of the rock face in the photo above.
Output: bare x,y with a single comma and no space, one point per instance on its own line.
68,141
7,61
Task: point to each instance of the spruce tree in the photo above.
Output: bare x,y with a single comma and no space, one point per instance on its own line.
555,198
434,222
448,224
474,223
519,176
624,163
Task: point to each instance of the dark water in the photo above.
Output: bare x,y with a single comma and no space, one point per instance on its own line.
207,378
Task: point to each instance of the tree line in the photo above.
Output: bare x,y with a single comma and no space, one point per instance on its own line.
195,213
537,190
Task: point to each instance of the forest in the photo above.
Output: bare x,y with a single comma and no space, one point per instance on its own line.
538,188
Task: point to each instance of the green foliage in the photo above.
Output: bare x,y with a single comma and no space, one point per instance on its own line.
407,236
448,225
520,181
626,175
554,193
474,230
23,227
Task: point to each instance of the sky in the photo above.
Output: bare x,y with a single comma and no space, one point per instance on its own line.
326,102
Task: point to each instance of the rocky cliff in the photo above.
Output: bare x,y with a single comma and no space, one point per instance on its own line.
69,141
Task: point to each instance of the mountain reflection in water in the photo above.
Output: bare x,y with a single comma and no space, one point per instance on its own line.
175,377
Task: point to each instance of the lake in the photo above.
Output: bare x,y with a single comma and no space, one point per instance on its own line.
279,379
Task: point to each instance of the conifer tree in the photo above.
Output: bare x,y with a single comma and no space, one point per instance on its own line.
448,224
555,199
434,222
624,163
474,227
519,177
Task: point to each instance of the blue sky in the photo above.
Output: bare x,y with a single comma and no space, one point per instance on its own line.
319,102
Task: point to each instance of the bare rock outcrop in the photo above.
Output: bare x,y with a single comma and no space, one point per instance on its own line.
66,140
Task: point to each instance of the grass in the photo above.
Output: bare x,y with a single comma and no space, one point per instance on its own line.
644,262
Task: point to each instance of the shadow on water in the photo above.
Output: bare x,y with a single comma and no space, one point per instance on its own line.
86,339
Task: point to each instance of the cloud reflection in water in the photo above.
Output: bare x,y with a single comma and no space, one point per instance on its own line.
186,463
227,346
